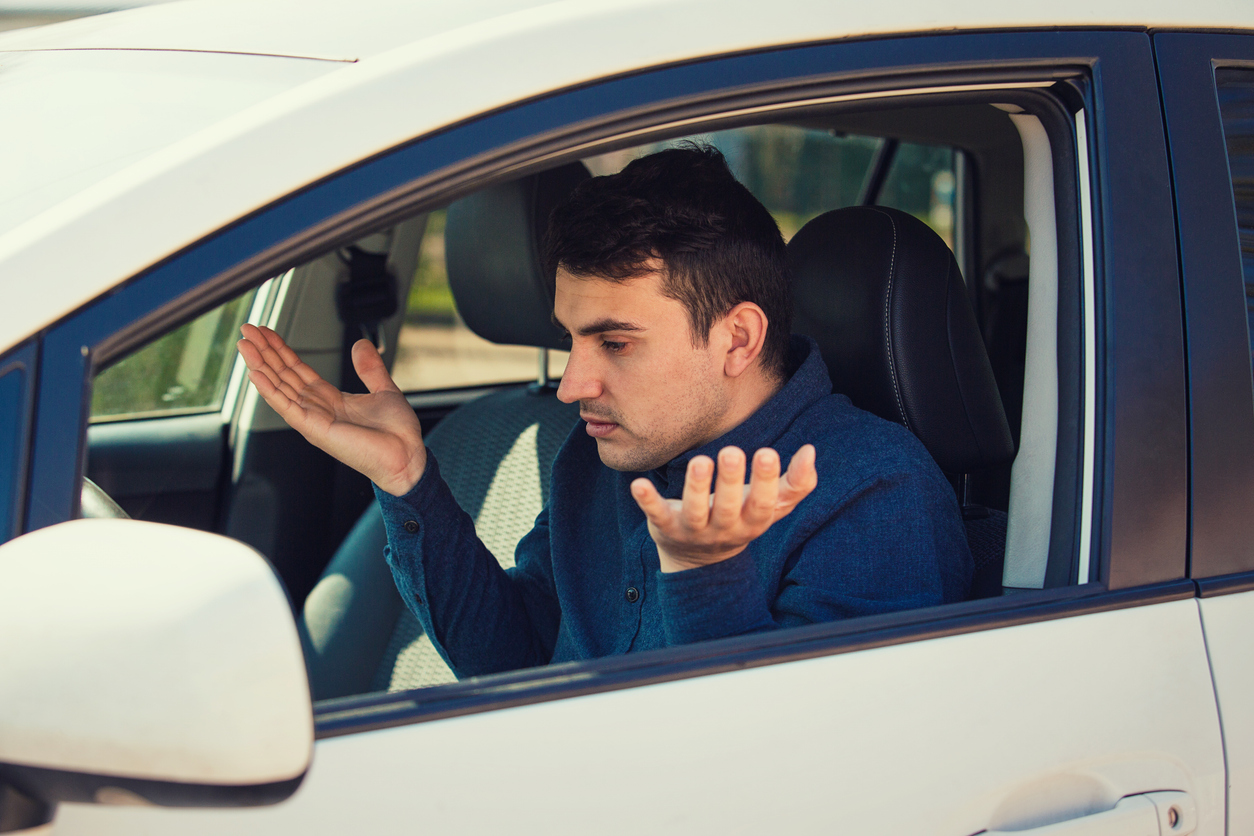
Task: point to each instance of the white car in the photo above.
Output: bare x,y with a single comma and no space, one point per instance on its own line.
335,169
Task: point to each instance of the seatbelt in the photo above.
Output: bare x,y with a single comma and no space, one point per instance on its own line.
363,303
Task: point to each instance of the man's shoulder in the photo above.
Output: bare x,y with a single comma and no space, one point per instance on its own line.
858,444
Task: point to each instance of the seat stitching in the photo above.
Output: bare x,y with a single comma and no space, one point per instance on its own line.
888,337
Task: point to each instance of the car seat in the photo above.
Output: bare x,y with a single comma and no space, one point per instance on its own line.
495,452
883,296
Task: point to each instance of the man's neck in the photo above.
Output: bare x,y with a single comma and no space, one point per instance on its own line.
748,396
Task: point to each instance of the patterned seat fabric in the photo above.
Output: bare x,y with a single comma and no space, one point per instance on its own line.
500,450
496,454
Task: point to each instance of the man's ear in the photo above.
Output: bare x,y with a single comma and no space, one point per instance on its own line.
746,325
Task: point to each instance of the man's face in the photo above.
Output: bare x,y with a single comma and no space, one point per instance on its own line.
647,393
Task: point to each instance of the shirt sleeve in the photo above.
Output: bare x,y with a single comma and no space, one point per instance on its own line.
893,542
481,618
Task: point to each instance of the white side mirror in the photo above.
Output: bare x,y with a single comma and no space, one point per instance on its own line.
147,663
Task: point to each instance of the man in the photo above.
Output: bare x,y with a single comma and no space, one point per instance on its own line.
672,282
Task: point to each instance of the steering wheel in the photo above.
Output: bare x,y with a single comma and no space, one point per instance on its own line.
95,504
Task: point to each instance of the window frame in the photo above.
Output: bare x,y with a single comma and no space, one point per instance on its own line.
1133,258
1221,392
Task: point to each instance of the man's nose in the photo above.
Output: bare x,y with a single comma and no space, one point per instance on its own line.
580,381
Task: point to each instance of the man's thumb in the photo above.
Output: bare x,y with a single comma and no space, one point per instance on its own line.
370,368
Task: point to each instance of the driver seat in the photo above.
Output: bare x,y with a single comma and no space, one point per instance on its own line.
883,296
495,452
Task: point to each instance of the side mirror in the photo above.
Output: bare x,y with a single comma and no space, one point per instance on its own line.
145,663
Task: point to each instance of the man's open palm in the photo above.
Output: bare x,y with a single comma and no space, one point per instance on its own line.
376,434
710,526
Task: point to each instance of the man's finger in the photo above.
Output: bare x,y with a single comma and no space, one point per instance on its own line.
652,503
370,368
250,353
696,501
256,363
270,393
763,492
729,488
801,478
279,354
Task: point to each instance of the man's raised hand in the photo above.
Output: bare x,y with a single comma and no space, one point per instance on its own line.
376,434
701,529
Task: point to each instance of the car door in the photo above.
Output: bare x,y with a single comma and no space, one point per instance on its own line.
160,419
1087,700
1208,95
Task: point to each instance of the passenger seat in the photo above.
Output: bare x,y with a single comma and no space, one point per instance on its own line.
495,452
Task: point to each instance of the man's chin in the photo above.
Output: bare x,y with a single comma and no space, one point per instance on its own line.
617,456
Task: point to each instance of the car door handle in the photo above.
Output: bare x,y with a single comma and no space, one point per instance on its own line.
1148,814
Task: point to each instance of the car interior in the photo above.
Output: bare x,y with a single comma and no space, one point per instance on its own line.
936,260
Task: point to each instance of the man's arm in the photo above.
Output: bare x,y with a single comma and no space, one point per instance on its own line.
892,541
483,618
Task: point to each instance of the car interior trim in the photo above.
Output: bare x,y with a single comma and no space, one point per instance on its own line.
352,715
266,308
447,398
680,125
263,302
1032,472
1089,283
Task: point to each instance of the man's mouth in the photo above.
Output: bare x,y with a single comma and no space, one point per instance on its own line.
597,427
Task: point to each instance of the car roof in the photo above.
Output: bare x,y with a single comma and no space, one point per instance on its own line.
147,129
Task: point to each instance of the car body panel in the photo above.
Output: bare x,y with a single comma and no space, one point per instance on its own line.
826,744
1133,243
248,159
1221,393
1228,621
986,714
130,104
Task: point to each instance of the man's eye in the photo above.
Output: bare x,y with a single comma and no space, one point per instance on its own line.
613,347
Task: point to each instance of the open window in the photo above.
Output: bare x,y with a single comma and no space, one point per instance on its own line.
994,173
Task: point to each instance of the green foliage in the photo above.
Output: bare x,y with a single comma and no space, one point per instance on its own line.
185,370
430,300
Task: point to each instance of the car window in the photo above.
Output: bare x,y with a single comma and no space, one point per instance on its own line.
435,349
921,181
798,173
184,371
835,159
1236,104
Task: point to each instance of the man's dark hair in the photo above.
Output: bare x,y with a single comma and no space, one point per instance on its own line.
719,245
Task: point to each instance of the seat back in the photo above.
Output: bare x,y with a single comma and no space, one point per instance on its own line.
495,453
883,296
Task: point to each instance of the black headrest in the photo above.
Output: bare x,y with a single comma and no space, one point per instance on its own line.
883,296
493,243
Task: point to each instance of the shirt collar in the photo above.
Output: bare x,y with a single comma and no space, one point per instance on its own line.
809,383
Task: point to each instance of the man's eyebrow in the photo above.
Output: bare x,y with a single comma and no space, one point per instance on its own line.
601,326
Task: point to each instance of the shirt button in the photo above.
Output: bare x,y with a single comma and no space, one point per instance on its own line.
411,526
633,595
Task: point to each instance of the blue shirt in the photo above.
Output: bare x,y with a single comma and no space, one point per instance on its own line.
881,532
